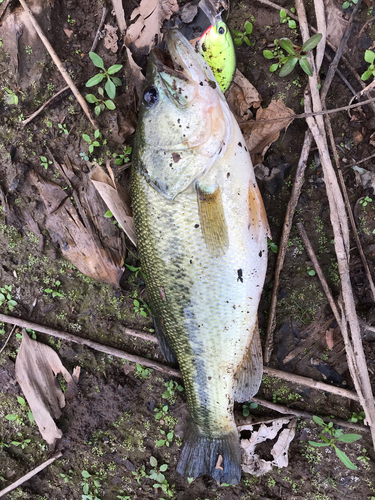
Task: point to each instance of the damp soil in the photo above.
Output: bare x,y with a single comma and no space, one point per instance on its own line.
117,421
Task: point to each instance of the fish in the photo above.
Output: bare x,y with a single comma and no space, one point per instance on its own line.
217,48
202,233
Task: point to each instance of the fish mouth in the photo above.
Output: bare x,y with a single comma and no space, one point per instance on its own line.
181,61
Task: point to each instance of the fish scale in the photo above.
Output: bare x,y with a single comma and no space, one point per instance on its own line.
203,248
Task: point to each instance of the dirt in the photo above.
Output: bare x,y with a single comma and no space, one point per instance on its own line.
112,428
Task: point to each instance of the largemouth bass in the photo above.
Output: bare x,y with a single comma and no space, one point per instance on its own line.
202,238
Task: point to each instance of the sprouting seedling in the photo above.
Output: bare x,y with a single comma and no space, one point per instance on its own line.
334,436
6,297
241,37
310,271
93,143
284,18
247,407
124,157
11,97
45,162
296,54
272,246
100,103
112,81
369,58
55,292
366,200
349,3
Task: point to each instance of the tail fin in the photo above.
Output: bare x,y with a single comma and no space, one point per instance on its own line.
201,455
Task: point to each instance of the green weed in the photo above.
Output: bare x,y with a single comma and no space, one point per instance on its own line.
112,81
241,37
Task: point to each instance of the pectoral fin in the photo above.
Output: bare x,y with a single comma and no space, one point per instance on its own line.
258,216
212,220
249,373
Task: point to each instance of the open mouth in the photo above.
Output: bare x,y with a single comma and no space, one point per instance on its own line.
165,64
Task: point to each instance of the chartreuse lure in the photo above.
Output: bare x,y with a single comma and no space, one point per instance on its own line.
216,46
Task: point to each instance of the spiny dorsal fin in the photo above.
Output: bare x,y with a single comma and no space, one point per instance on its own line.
249,373
212,219
258,216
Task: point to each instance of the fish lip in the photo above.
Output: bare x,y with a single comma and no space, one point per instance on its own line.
162,62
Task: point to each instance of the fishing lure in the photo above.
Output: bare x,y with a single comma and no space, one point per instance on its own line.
217,48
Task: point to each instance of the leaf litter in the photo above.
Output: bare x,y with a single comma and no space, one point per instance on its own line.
37,366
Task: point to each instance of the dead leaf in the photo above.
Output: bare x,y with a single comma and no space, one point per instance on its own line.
37,366
336,24
115,198
68,32
188,12
144,33
87,239
329,338
271,430
138,77
241,96
111,38
259,134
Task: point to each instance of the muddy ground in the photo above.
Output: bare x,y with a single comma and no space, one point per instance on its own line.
110,429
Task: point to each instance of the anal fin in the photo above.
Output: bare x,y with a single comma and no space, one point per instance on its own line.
163,343
249,373
212,219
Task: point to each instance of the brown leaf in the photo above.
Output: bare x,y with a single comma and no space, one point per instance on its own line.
329,338
261,133
144,33
138,77
336,24
89,241
37,366
115,199
68,32
241,96
111,38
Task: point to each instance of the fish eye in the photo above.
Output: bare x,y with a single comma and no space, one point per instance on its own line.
221,30
151,96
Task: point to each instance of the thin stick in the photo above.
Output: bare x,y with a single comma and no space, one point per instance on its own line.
272,372
59,64
7,340
36,113
111,351
287,227
304,414
358,162
102,21
29,475
355,355
5,6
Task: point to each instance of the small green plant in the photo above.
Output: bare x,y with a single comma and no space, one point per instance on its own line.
161,412
167,438
335,435
100,103
311,271
123,158
29,50
139,308
92,483
241,37
62,128
11,97
109,215
369,58
296,54
247,407
272,246
141,372
23,444
349,3
70,20
6,298
12,417
123,497
357,417
284,18
45,162
366,200
93,143
172,386
139,474
158,476
55,292
112,81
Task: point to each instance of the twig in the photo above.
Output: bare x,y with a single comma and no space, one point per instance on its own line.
304,414
5,6
120,15
36,113
59,64
358,162
322,29
7,340
360,94
371,20
29,475
340,227
272,372
287,227
102,21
